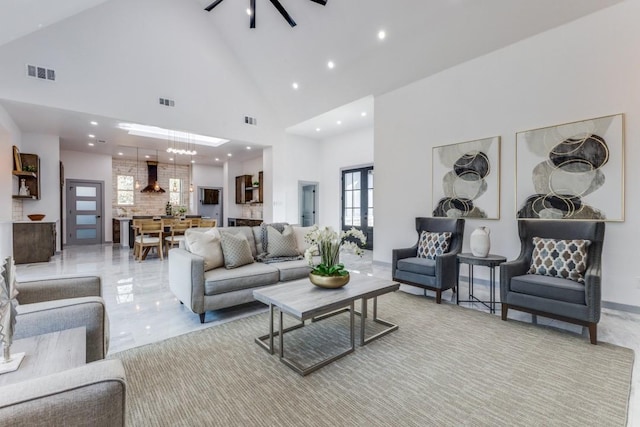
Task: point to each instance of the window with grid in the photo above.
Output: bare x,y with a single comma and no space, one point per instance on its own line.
175,191
124,190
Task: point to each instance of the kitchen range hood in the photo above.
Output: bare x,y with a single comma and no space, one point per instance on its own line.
152,173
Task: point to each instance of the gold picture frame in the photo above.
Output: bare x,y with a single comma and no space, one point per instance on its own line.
17,160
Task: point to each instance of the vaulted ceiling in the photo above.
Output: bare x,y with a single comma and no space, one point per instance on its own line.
261,64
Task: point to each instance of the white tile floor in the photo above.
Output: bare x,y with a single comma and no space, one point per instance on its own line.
142,309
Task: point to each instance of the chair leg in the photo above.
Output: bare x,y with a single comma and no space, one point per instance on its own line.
504,310
201,317
160,251
593,333
438,296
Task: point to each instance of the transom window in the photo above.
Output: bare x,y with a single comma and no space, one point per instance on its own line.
175,191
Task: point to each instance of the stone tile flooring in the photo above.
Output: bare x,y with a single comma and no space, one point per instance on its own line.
143,310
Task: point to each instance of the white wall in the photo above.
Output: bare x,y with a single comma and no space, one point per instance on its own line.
48,148
205,176
112,63
349,150
95,167
585,69
10,135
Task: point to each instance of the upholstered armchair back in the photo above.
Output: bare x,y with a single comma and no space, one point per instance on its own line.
439,225
562,230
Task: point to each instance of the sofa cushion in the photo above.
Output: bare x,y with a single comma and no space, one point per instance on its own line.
207,245
418,265
566,259
549,287
432,245
220,280
245,231
281,244
236,250
293,270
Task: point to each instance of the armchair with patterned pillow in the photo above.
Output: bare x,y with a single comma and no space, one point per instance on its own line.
431,263
557,273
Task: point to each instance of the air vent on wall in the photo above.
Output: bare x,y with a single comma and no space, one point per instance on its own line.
41,72
167,102
250,120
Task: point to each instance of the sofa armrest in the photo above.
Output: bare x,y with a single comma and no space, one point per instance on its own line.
49,289
51,316
398,254
510,269
186,278
593,292
92,394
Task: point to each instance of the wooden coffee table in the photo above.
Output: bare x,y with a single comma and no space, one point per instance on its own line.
302,300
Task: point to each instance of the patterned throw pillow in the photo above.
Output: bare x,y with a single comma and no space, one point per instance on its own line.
432,245
566,259
281,244
206,245
236,250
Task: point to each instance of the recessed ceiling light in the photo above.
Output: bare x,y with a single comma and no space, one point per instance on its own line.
91,135
193,161
94,123
249,11
331,65
146,156
363,114
91,144
339,122
217,159
318,129
382,34
229,155
248,148
295,85
171,159
120,153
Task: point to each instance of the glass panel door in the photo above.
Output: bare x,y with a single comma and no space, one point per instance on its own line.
84,212
357,201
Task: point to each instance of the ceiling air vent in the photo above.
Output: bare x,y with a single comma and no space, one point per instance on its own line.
250,120
167,102
41,72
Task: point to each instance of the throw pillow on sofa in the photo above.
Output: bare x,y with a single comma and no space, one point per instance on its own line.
236,250
207,245
300,233
281,244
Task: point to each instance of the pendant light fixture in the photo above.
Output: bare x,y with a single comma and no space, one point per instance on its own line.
156,186
190,175
137,180
175,181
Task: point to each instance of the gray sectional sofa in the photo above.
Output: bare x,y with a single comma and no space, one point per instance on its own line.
221,287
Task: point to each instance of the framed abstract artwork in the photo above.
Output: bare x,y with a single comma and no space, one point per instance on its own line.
466,179
573,171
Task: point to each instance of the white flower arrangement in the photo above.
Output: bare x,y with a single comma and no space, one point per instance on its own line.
328,243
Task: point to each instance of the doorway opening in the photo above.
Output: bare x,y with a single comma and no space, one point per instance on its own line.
308,200
210,203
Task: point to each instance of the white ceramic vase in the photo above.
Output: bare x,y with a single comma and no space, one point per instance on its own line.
480,242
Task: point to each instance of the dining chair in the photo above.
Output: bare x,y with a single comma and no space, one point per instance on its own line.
148,234
208,222
174,230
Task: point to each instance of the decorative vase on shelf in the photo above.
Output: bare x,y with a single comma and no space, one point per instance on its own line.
480,242
24,191
330,282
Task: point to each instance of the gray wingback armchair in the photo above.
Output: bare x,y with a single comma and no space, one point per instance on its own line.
436,275
555,297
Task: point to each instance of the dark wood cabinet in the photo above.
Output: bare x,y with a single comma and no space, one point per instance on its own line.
248,222
116,231
33,241
244,189
261,185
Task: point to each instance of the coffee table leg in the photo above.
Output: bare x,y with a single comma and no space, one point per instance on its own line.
363,319
391,326
261,339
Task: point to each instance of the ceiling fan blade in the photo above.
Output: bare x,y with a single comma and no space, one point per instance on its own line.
252,20
212,5
285,15
322,2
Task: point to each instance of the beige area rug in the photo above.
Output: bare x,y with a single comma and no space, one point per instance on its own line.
445,366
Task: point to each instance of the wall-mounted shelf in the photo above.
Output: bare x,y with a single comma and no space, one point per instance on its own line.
30,177
25,173
24,197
